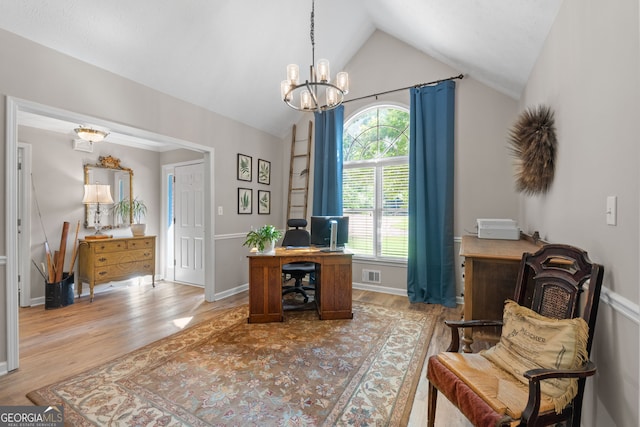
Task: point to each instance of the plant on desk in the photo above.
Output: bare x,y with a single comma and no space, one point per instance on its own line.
264,239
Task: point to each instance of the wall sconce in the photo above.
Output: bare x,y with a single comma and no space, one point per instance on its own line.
95,194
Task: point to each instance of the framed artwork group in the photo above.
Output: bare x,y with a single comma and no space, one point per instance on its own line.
244,169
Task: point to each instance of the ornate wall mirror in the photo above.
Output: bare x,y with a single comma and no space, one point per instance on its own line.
108,171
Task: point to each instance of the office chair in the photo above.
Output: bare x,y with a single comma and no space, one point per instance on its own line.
297,236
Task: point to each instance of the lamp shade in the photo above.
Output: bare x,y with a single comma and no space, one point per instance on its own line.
97,193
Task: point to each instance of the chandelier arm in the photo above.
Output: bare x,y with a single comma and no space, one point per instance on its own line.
314,96
312,87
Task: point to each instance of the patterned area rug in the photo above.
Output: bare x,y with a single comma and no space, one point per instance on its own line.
226,372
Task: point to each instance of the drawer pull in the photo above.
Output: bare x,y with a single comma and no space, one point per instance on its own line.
147,253
102,273
103,259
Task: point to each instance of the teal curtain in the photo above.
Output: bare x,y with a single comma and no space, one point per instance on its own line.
430,266
327,167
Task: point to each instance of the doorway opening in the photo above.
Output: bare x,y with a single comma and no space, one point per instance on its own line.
15,107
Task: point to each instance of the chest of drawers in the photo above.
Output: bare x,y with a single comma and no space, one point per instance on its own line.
108,260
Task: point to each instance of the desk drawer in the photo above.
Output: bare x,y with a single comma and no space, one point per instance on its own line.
123,257
123,271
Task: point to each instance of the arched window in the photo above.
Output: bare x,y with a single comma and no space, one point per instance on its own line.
375,187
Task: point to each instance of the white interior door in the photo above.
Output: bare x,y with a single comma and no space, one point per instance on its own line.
189,224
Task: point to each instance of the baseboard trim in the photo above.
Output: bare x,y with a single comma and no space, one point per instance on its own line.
3,368
381,289
231,292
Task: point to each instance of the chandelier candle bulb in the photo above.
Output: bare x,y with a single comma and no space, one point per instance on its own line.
342,81
285,88
305,100
293,74
332,96
323,71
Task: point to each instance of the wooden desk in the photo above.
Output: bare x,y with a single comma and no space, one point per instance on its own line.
490,275
333,283
107,260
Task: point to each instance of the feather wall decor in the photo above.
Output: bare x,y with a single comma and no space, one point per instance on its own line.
533,143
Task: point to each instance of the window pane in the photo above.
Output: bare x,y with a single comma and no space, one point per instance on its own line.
395,187
376,181
395,197
360,232
394,242
358,188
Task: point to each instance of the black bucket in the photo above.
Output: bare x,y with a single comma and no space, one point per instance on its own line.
59,294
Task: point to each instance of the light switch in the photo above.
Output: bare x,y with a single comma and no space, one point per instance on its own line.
219,210
612,202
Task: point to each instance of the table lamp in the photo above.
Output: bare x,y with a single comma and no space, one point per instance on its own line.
97,194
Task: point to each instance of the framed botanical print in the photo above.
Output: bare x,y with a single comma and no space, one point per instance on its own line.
245,196
264,202
244,167
264,171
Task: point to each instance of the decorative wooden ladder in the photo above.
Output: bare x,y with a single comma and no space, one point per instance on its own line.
299,168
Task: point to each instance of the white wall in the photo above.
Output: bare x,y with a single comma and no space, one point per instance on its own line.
589,74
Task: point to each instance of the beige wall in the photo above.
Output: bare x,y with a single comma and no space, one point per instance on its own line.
32,72
58,176
483,174
589,73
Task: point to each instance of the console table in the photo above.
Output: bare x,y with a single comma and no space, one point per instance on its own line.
107,260
333,294
490,274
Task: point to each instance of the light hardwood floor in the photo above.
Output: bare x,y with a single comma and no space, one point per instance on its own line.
55,344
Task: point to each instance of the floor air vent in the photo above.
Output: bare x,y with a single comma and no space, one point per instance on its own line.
371,276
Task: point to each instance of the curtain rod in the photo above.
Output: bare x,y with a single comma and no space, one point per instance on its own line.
459,76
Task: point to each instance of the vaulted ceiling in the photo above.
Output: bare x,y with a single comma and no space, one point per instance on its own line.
229,56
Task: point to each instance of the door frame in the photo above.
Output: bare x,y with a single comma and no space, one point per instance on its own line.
13,106
24,200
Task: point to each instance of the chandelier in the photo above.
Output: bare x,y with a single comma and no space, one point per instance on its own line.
90,135
318,93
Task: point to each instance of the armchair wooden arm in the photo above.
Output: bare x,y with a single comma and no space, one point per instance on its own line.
455,325
530,415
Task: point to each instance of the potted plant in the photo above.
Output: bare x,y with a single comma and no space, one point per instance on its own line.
135,208
264,239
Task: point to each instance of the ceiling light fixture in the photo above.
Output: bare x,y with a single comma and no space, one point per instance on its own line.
90,134
311,91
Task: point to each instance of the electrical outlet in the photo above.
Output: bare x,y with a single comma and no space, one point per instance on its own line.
219,210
